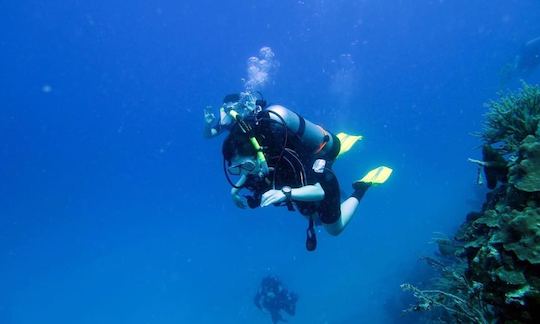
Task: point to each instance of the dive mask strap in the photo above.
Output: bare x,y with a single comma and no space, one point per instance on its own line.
264,170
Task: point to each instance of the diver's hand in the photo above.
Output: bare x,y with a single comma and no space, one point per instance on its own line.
239,201
272,196
209,116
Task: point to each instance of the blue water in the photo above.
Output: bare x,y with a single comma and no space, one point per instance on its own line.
114,209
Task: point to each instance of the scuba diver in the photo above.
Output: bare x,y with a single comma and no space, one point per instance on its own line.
529,57
273,297
494,165
286,160
527,60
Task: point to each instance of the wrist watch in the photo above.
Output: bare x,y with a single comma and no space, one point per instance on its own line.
287,191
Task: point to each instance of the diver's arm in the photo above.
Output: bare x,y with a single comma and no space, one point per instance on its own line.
211,131
306,193
488,164
209,119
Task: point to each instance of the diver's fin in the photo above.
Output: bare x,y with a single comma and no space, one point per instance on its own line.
347,142
377,176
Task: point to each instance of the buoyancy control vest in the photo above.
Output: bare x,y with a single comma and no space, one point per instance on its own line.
309,140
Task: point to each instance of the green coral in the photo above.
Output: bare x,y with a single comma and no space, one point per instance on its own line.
489,219
524,173
497,269
512,118
524,238
520,295
511,277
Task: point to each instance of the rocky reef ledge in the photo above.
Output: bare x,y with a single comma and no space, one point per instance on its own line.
489,271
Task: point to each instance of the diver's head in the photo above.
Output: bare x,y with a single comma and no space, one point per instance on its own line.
240,155
231,98
244,103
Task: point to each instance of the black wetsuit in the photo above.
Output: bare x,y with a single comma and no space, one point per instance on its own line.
295,165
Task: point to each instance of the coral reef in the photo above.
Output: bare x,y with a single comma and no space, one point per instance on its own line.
512,118
489,272
525,175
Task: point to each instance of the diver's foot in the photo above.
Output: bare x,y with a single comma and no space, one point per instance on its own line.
361,185
376,176
360,189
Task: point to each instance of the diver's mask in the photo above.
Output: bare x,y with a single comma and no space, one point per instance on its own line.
247,166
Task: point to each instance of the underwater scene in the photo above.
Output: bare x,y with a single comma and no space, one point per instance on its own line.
302,161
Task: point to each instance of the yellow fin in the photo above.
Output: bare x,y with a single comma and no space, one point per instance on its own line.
347,142
377,176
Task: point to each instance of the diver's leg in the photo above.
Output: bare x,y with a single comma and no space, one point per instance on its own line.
348,208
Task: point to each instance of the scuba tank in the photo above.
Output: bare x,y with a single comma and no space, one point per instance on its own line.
309,140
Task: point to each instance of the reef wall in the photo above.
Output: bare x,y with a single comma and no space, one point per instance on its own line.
489,272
